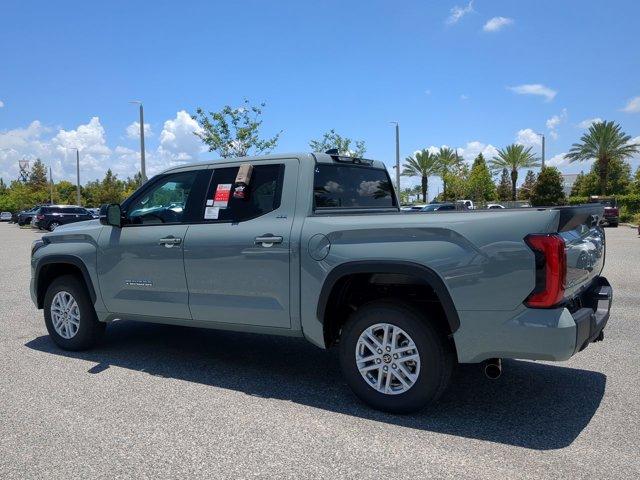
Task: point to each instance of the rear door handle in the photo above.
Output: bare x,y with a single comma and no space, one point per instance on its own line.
268,240
170,241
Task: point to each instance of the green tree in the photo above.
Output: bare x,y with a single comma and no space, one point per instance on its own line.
548,189
234,132
111,189
457,183
618,179
604,142
480,185
524,192
332,139
514,157
503,191
65,192
635,186
578,185
449,163
3,186
38,177
422,164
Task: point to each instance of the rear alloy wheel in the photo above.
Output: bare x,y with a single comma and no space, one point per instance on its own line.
69,314
394,358
53,226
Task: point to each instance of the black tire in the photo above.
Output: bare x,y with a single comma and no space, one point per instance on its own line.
90,330
437,356
614,225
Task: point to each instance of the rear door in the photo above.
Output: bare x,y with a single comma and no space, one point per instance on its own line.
237,258
140,266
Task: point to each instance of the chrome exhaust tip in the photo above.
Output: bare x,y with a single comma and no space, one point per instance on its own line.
493,368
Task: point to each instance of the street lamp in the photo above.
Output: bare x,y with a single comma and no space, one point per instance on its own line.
542,136
143,172
79,202
397,156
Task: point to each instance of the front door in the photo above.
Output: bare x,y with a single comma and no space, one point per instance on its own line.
237,258
140,266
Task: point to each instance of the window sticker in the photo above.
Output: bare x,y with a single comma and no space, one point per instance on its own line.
221,197
210,202
211,213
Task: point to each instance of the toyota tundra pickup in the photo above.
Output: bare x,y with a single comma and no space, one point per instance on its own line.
315,246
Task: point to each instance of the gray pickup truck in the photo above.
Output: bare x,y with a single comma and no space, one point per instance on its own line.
315,246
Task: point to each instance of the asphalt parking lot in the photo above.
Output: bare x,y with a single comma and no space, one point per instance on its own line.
159,401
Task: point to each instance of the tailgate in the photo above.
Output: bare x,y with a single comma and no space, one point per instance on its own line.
584,238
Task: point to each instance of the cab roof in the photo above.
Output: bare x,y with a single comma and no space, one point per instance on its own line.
304,157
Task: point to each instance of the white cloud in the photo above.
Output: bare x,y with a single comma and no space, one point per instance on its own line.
632,106
1,104
470,151
88,138
534,89
473,148
427,92
133,130
557,161
464,97
528,138
497,23
586,123
554,122
457,13
177,144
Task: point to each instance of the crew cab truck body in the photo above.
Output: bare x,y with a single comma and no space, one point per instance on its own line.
316,246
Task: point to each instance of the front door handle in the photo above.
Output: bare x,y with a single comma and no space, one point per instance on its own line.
268,240
170,241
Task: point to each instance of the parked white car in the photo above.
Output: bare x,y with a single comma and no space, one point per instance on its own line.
5,217
494,205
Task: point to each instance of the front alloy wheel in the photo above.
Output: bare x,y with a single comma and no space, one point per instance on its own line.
65,315
69,314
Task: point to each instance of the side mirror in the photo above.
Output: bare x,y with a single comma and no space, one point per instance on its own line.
111,214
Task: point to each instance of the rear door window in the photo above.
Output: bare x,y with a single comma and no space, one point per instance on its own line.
262,195
350,186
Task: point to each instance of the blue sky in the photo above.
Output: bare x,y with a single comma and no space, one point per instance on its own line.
474,75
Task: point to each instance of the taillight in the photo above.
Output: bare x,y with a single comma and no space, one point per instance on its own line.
551,270
40,217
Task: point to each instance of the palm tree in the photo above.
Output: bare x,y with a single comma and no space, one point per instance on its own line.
422,164
514,157
603,142
448,162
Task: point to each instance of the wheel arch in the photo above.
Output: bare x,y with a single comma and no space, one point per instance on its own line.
50,267
334,286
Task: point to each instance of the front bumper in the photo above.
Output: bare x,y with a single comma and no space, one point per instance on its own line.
591,313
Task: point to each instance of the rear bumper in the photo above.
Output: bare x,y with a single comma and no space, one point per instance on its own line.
535,334
593,314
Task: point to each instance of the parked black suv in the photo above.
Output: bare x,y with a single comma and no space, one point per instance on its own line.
52,216
25,217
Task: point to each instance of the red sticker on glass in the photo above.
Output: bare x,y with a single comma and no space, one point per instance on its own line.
221,197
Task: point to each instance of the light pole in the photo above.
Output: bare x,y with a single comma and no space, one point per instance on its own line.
542,136
397,157
78,198
50,185
143,172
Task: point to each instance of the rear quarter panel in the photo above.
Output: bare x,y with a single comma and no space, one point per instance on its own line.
480,256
